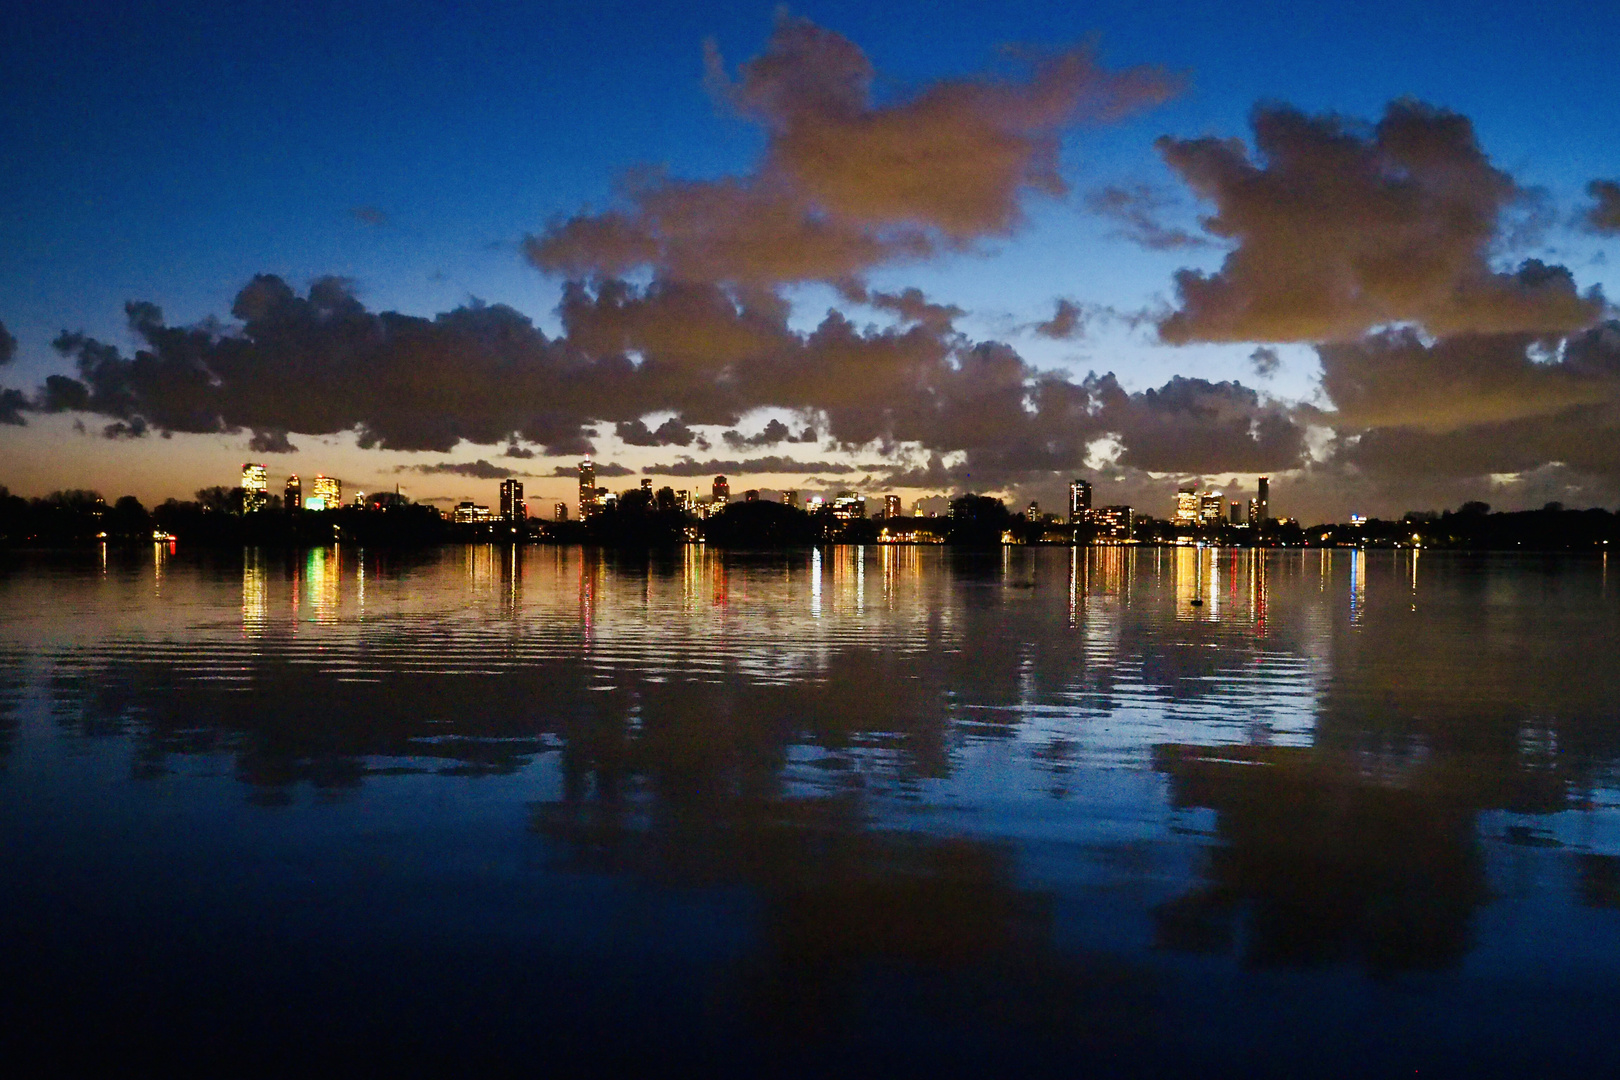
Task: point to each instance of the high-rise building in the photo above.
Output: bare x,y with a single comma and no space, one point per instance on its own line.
562,511
1033,512
1186,508
1236,517
790,498
847,506
721,490
512,506
1113,522
325,493
255,488
1262,501
1254,511
1079,499
891,506
292,496
589,500
684,500
1211,508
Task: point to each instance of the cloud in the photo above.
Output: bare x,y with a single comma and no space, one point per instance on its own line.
1604,214
271,442
478,470
13,403
774,432
8,346
1341,228
603,469
1265,361
670,433
1137,212
1067,322
1398,379
749,467
1198,426
369,215
847,182
513,450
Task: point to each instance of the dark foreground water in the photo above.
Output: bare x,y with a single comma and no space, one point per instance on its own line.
864,812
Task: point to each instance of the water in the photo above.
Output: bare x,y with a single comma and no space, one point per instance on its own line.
883,811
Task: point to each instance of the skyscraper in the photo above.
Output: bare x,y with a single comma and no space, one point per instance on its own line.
562,511
292,496
1211,508
325,493
587,489
512,506
891,506
1262,501
1079,499
1186,508
255,488
721,490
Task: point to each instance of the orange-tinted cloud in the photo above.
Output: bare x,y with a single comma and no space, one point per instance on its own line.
1342,227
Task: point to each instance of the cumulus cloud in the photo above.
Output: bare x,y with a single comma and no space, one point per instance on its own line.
670,433
478,470
1138,214
773,432
1198,426
846,181
1068,321
1604,214
513,450
1265,361
13,403
8,346
271,442
1342,227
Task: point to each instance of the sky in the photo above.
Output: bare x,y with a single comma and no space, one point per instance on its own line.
903,247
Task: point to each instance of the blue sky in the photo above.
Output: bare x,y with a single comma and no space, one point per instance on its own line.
170,151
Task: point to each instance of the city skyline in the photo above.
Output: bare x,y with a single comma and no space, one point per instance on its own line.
1125,292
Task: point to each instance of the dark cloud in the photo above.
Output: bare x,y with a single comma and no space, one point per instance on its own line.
8,346
847,182
603,469
670,433
513,450
1341,228
1138,213
774,432
271,442
478,470
750,467
1193,425
1604,214
1265,361
1068,321
13,403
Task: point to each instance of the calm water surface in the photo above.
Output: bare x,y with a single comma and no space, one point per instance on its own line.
865,811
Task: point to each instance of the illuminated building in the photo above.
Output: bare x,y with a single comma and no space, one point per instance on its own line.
512,507
292,496
589,498
1186,508
891,506
684,500
1033,512
1211,508
721,490
1254,511
1113,522
562,511
847,506
1236,516
1262,501
1079,499
255,489
470,514
646,487
790,498
325,493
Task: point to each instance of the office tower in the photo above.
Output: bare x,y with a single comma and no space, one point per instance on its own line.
1263,501
325,493
790,498
721,490
1211,508
1033,513
561,512
1079,499
1113,522
1186,508
684,500
891,506
1237,514
512,506
255,489
1254,511
847,506
588,503
292,496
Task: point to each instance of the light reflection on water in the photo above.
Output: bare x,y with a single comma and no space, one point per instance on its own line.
1120,792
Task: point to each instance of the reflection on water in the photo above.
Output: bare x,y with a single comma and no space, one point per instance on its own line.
924,810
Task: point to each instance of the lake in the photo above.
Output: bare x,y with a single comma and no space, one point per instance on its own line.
862,811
